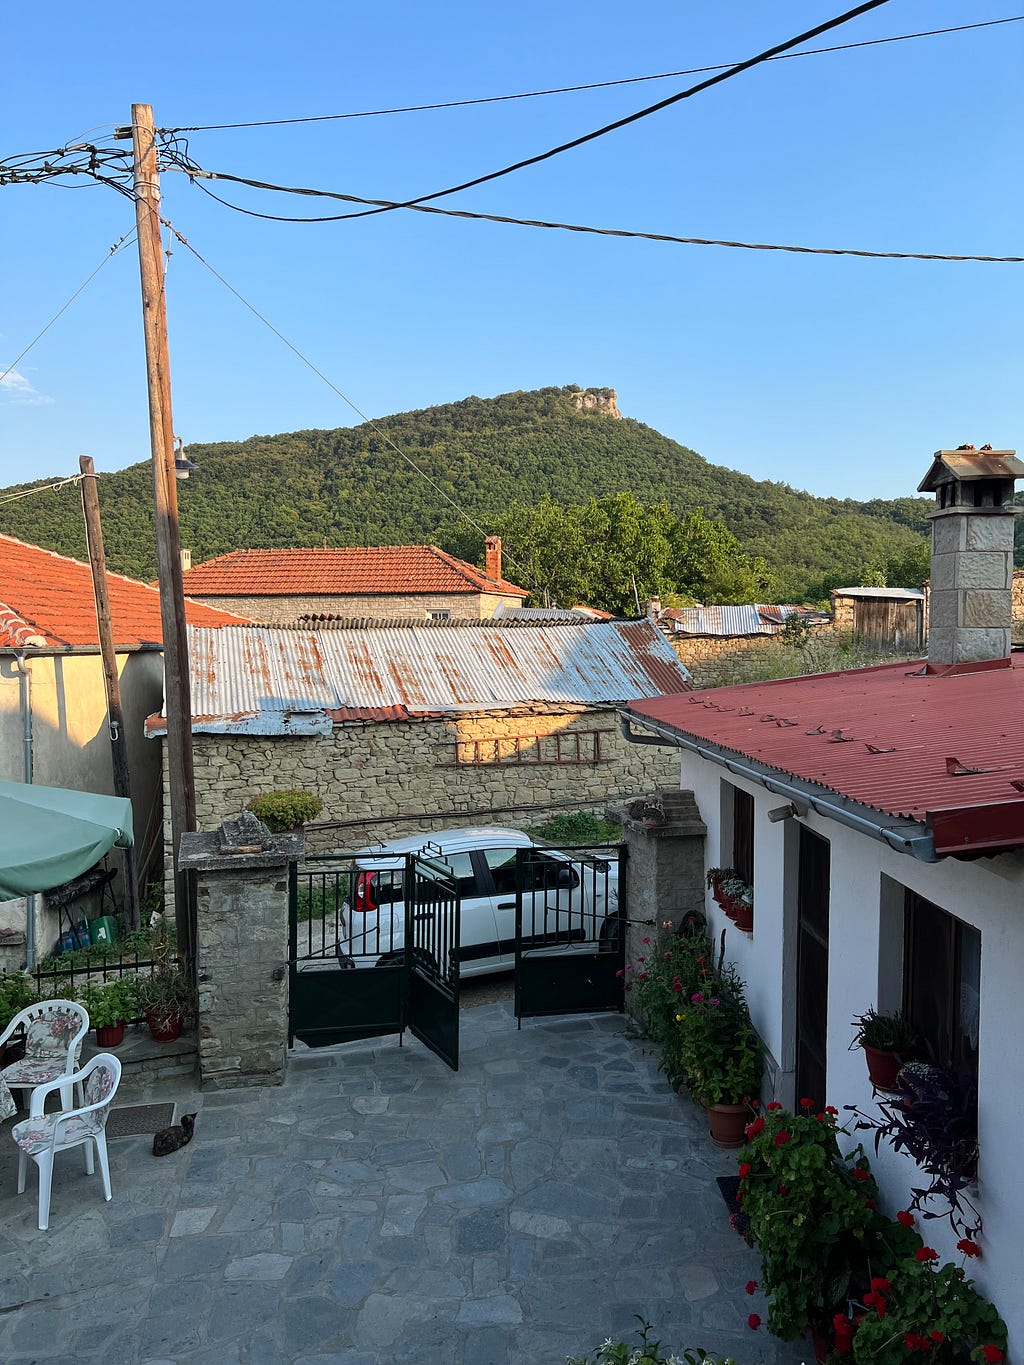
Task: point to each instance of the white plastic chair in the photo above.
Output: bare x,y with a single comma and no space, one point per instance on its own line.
41,1136
54,1030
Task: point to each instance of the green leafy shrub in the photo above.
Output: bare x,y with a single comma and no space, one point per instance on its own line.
282,811
812,1215
577,827
110,1002
647,1353
17,991
887,1032
921,1311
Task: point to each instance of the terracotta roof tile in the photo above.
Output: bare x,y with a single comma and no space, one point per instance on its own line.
46,600
335,572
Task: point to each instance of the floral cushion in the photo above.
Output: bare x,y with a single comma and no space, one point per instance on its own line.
99,1086
49,1034
7,1105
28,1073
36,1135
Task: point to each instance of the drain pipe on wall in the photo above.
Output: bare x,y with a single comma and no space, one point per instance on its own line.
25,674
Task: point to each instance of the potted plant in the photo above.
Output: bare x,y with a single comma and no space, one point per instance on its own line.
888,1041
721,1055
811,1213
110,1004
17,992
166,999
934,1120
284,811
921,1311
661,978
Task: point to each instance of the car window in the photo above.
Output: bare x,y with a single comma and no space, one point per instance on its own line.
502,862
540,872
461,865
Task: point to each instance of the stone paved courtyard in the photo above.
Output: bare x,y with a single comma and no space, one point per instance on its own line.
381,1208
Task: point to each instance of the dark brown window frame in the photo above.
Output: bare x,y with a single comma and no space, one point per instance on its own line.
563,748
933,937
743,834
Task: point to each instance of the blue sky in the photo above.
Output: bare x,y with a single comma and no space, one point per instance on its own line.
832,374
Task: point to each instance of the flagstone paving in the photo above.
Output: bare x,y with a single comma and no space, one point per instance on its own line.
378,1208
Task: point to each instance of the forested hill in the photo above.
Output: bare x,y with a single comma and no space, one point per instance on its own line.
350,487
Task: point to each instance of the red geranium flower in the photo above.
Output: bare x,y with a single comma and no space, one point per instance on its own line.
871,1298
915,1342
992,1354
926,1254
937,1337
859,1173
880,1283
782,1137
806,1104
751,1286
744,1169
906,1218
754,1322
753,1129
831,1109
774,1105
781,1189
968,1247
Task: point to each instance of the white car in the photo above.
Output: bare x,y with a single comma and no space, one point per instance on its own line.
570,899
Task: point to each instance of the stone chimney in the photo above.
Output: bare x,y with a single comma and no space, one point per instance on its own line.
972,557
492,556
186,560
654,608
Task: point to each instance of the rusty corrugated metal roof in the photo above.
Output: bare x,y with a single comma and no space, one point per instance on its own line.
882,737
272,680
755,618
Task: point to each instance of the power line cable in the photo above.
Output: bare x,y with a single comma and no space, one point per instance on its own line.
197,175
118,246
591,85
628,119
370,421
44,488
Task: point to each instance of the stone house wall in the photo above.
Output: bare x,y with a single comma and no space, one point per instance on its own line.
716,661
284,610
381,780
1017,606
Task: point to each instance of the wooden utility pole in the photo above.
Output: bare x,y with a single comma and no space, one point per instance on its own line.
118,742
177,701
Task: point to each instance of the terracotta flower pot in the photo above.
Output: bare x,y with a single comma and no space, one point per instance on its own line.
883,1068
727,1123
110,1035
744,917
822,1344
164,1025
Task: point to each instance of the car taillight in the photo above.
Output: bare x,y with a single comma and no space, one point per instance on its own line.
365,898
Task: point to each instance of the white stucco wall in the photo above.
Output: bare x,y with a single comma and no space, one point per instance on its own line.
865,956
71,744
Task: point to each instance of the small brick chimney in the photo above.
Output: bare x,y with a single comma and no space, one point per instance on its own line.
186,560
492,556
972,557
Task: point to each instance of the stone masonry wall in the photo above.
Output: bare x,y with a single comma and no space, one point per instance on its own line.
283,611
241,961
716,661
384,780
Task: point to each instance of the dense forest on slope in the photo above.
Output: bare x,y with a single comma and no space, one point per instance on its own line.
350,487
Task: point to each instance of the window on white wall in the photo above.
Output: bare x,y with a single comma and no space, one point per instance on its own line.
741,854
942,982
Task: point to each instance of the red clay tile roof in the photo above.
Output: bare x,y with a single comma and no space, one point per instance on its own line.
46,600
882,736
335,572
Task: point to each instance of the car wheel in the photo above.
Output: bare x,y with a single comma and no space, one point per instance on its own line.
610,940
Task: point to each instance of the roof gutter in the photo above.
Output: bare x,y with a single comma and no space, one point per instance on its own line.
905,837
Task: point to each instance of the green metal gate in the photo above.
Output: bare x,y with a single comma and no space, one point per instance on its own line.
374,950
570,932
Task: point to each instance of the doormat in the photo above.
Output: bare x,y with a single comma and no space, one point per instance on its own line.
729,1185
134,1119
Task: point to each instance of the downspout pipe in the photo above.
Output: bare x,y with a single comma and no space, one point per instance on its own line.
918,845
25,674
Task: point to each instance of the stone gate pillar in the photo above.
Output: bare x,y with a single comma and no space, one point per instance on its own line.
242,875
664,864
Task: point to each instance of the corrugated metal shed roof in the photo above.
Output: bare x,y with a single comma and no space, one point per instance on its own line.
882,736
881,594
754,618
271,680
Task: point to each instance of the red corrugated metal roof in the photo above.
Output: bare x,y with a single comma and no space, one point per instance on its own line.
46,600
881,736
376,569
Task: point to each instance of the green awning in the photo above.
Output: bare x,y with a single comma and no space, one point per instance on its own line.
49,835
